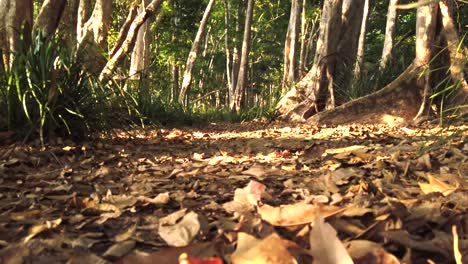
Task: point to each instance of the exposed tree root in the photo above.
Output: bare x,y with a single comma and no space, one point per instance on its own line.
396,104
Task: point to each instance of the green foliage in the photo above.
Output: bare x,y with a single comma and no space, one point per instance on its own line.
46,92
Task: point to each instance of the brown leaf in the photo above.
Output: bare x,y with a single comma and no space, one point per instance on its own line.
325,246
296,214
271,250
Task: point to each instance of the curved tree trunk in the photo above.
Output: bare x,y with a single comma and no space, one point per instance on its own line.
239,95
192,58
139,62
389,34
49,17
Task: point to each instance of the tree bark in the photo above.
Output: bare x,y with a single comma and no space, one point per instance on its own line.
389,34
99,22
84,11
130,39
303,48
244,62
426,19
14,15
49,17
290,62
362,42
192,58
227,51
457,56
139,62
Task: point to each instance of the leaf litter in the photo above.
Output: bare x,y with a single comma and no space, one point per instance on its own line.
239,193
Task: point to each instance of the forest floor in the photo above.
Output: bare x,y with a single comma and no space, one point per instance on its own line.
239,193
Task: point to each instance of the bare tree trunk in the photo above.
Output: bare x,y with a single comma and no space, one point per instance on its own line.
68,23
457,56
227,50
289,68
14,15
192,58
244,63
362,41
303,51
130,39
236,54
99,22
389,34
352,18
49,17
84,12
425,36
139,62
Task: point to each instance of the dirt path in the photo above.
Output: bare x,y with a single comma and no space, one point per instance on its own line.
214,187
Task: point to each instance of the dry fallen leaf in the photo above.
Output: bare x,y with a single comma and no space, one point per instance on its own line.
296,214
182,233
270,250
325,246
436,185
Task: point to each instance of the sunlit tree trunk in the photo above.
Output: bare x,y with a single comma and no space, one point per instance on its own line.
389,34
290,62
425,35
15,17
244,62
139,62
362,41
84,12
457,54
303,49
237,45
68,23
192,58
129,40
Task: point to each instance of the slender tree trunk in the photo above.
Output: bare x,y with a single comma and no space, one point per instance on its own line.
84,12
389,34
290,62
236,53
130,39
15,17
139,62
227,50
192,58
303,51
457,56
362,42
244,63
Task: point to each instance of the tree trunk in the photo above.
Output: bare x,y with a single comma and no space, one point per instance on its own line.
14,15
139,62
236,54
68,23
389,34
289,68
227,50
310,94
192,58
49,17
130,39
362,42
303,51
99,22
426,19
84,12
457,56
244,63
